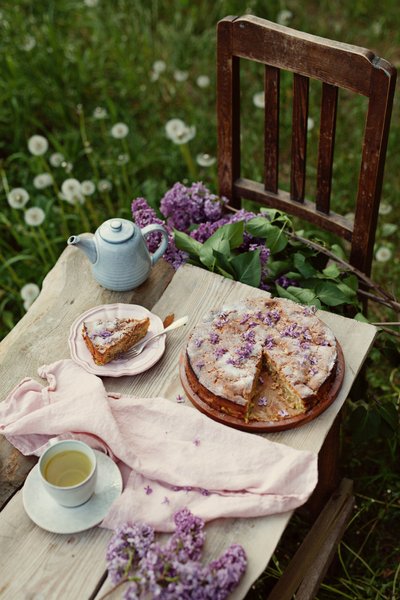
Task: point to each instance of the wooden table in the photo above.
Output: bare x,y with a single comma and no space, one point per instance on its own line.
37,564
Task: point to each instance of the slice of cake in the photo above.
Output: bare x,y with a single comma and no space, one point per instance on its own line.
262,358
106,340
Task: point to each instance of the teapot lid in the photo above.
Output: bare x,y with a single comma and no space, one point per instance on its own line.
117,231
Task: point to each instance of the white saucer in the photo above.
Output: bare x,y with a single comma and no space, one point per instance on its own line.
45,512
121,366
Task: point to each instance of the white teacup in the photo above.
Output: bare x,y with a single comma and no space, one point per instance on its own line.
68,470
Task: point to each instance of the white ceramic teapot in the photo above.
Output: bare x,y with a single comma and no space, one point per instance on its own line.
118,253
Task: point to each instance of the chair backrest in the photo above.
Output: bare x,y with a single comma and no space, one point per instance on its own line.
336,65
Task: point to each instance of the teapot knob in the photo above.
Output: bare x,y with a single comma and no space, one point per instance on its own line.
116,225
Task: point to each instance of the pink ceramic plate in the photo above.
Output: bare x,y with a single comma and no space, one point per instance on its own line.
121,366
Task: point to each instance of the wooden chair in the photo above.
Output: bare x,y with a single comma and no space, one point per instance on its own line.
337,66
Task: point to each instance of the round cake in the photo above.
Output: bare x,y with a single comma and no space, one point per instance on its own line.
261,358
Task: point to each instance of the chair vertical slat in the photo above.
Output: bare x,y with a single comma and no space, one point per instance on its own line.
326,146
228,113
383,82
271,133
299,137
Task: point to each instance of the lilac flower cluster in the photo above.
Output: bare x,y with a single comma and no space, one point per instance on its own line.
184,206
286,282
144,215
173,570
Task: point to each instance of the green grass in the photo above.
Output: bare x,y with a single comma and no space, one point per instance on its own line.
61,59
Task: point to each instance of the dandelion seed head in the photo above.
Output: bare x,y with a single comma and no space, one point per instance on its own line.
30,291
67,166
203,81
383,254
38,145
385,209
104,185
56,159
100,113
123,159
205,160
34,216
178,132
284,17
87,187
28,43
71,189
259,99
42,181
159,66
119,131
17,197
180,76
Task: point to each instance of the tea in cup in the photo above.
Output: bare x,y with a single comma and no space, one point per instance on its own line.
68,471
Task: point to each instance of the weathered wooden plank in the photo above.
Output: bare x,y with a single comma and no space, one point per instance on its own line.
38,564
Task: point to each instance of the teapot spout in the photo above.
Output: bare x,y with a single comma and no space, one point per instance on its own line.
86,243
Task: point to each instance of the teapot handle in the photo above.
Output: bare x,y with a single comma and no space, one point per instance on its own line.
164,241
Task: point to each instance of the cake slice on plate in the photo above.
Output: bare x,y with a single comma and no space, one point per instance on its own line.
108,339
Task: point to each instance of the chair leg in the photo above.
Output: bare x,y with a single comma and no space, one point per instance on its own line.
310,563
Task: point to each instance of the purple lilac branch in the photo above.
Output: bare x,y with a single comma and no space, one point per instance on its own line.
173,570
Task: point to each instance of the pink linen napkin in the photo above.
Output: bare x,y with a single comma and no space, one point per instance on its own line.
170,454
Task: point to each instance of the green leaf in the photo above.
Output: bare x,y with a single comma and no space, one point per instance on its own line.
389,414
248,267
186,243
275,238
360,317
258,227
330,294
347,291
277,267
293,275
332,271
224,264
207,258
222,272
304,296
338,251
351,281
303,266
231,233
283,293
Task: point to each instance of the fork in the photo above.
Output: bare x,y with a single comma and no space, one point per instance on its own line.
140,346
